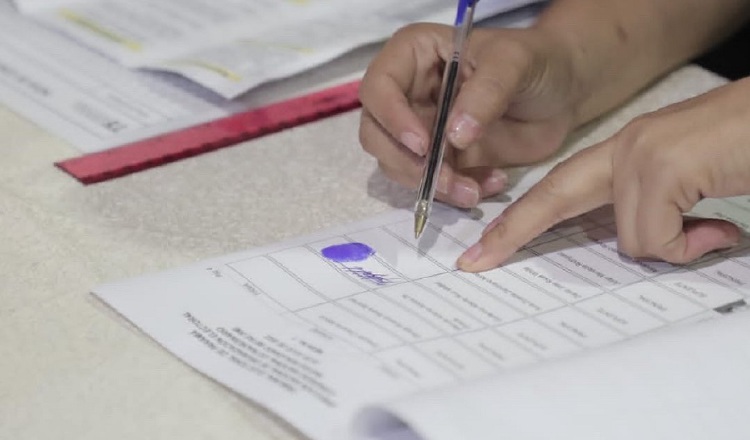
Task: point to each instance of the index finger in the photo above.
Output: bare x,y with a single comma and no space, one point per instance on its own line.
401,76
575,186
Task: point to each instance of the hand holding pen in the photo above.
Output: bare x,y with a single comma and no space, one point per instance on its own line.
513,107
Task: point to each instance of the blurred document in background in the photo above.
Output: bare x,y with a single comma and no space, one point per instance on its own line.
102,73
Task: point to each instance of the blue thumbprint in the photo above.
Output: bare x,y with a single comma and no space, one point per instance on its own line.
348,252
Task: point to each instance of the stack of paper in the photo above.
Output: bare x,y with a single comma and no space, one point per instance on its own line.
362,325
102,73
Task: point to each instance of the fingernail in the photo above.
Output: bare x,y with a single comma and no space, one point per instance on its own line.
496,181
464,131
464,195
469,256
413,142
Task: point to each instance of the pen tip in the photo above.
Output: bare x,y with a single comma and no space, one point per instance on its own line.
419,224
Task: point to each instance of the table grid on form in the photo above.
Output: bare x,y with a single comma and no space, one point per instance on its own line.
567,290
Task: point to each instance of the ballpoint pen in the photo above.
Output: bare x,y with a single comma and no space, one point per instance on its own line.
448,89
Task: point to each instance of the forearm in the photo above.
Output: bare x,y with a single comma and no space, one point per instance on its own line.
619,46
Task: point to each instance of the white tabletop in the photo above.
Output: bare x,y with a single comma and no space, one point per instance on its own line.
70,368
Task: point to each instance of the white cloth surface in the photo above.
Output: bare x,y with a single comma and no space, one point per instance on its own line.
70,367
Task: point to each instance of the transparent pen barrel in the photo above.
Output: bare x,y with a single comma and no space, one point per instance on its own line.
448,91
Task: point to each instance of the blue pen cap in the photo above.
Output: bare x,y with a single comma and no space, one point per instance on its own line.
461,9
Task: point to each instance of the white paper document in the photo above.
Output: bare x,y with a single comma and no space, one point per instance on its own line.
96,104
231,46
320,327
87,98
686,384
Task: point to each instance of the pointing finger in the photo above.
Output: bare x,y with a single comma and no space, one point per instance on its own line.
575,186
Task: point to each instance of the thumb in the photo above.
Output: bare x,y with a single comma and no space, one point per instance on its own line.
486,92
575,186
699,237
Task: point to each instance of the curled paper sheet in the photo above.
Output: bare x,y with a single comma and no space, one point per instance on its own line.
687,383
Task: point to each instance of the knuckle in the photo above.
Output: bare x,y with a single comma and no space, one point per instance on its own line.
640,144
632,139
551,193
638,140
399,49
412,32
404,33
554,184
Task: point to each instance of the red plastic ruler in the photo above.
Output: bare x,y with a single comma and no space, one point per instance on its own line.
209,136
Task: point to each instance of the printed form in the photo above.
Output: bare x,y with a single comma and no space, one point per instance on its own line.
318,327
232,46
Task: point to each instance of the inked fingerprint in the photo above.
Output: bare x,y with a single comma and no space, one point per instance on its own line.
348,252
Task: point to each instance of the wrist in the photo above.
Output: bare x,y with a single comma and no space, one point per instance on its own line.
609,53
567,61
